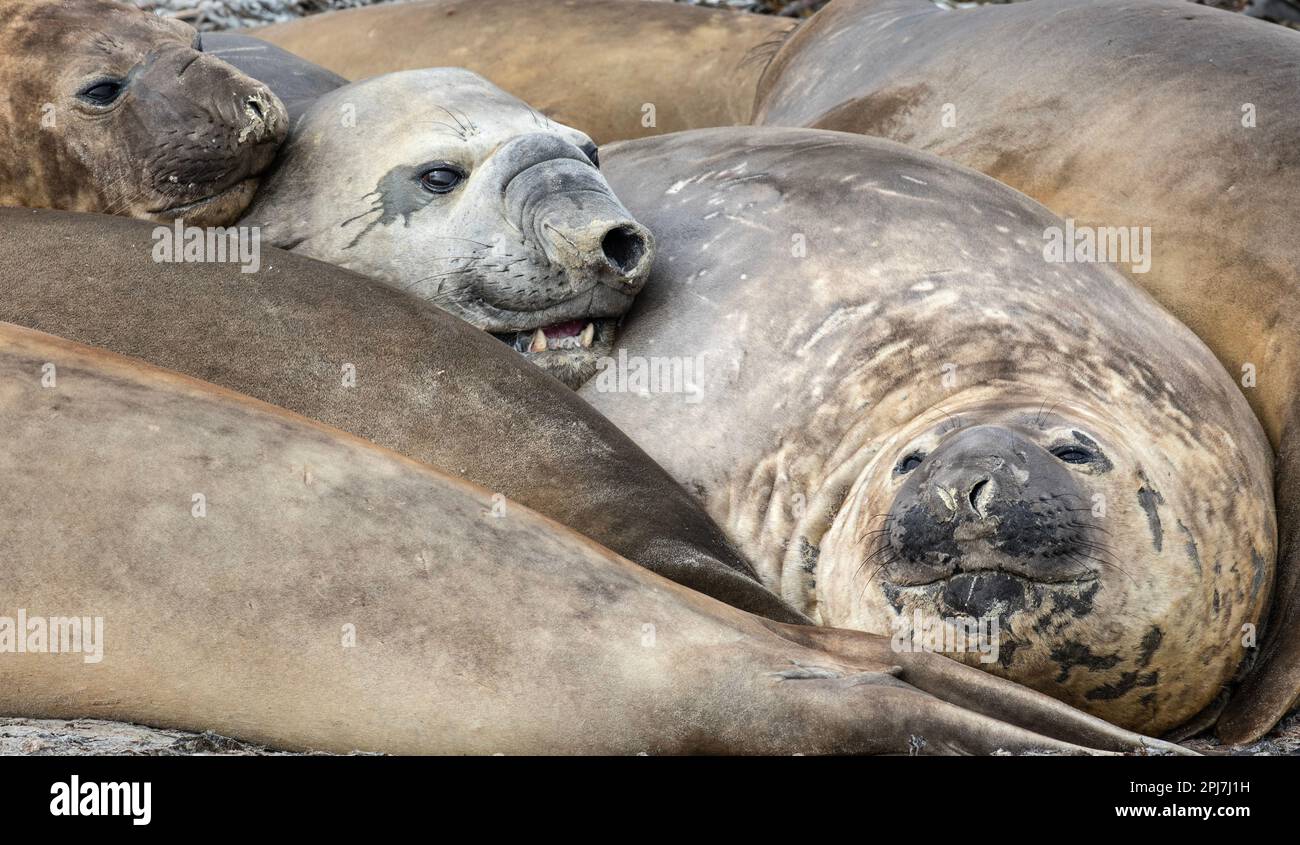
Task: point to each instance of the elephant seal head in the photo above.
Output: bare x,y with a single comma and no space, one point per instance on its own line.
441,184
1099,550
116,111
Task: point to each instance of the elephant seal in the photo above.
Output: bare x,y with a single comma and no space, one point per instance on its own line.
113,110
612,68
1088,107
342,349
369,604
909,421
448,188
296,82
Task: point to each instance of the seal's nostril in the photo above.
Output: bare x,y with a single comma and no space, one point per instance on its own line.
256,107
975,491
623,247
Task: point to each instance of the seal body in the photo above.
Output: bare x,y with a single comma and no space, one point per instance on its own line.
113,110
907,418
446,187
612,68
372,603
342,349
1089,107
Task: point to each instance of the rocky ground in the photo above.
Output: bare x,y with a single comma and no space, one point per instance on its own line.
91,737
232,14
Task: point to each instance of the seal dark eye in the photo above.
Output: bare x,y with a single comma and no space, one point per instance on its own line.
909,463
592,154
1072,454
101,93
441,178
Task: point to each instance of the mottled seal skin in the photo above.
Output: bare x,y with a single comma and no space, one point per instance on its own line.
446,187
1089,107
113,110
335,596
424,384
295,81
593,64
903,407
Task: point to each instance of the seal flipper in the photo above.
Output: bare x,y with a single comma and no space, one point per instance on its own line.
1273,686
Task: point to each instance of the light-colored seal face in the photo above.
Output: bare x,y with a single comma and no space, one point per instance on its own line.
442,185
903,413
113,110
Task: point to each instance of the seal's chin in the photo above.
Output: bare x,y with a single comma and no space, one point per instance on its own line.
218,209
569,351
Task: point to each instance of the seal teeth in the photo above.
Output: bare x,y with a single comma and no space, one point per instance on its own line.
539,342
588,335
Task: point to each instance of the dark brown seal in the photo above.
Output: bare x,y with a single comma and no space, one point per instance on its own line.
113,110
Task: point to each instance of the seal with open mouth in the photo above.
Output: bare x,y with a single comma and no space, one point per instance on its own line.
905,407
113,110
442,185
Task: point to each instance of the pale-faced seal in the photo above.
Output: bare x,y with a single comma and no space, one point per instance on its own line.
1089,106
902,412
612,68
296,82
339,348
112,110
448,188
368,602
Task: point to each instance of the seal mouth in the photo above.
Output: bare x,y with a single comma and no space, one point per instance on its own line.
1005,570
570,350
557,337
992,593
241,192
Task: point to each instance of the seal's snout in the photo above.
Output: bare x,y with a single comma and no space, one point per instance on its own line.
266,121
983,516
613,252
207,131
590,236
554,192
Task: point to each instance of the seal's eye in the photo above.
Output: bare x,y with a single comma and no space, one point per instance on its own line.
1072,454
441,178
909,463
102,92
590,151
